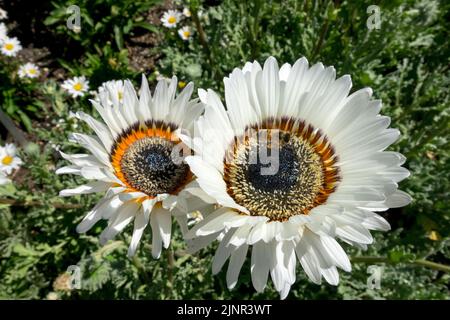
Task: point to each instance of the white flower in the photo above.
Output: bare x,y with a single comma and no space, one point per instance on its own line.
112,92
10,46
29,70
185,33
3,14
186,12
328,174
170,18
3,179
76,86
131,159
9,161
3,32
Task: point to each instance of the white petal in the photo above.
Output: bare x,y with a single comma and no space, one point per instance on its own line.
309,262
140,223
125,214
335,251
95,215
100,129
398,199
92,145
161,222
223,253
260,265
236,261
145,100
331,275
91,187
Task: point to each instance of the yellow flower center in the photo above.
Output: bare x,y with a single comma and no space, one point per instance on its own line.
9,46
172,19
7,160
186,34
32,71
77,86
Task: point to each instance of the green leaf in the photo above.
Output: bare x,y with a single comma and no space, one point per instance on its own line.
146,25
25,120
118,36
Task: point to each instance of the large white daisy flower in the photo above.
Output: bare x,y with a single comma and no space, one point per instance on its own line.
295,162
28,70
76,86
133,158
10,46
9,160
170,18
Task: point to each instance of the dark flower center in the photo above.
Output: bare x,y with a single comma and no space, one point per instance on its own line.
279,170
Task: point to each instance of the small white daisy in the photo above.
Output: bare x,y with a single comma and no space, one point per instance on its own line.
111,91
29,70
3,32
3,179
131,160
8,159
10,46
76,86
170,18
327,175
3,14
185,33
186,12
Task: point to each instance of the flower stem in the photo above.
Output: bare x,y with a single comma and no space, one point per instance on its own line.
138,264
170,266
17,134
418,262
200,32
319,44
204,43
33,203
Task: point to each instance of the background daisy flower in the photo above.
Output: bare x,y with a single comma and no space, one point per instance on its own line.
330,175
29,70
10,46
185,33
3,32
76,86
131,160
170,18
3,14
186,12
9,161
112,90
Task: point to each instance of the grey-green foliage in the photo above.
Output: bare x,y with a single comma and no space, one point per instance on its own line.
405,62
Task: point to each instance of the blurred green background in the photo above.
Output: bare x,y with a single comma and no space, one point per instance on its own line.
406,62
